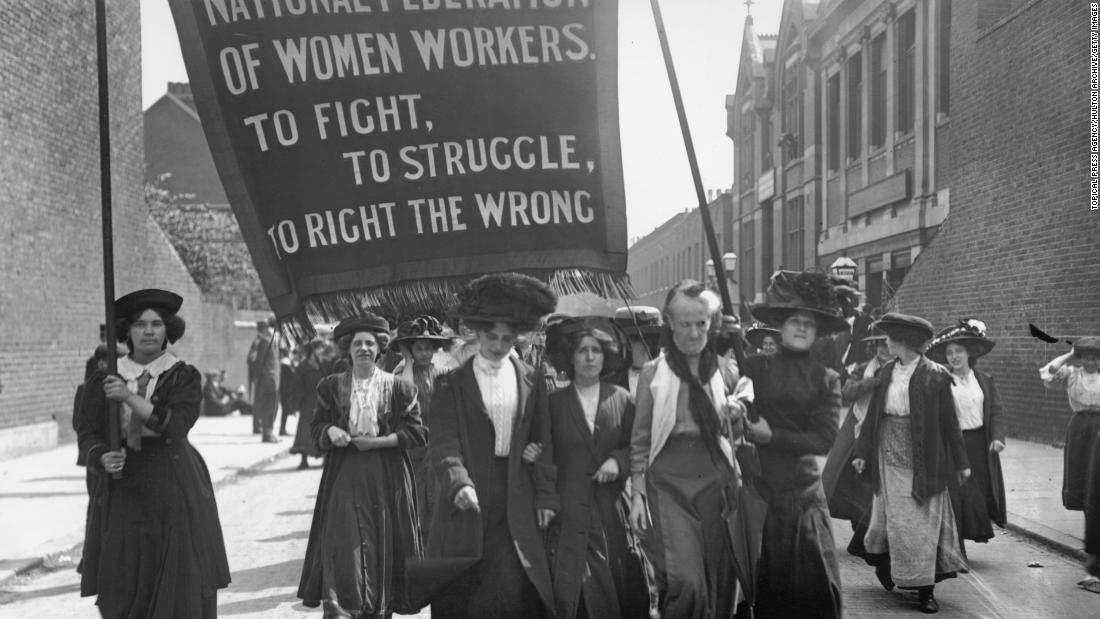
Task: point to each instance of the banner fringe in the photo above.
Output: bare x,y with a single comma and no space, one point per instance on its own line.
405,300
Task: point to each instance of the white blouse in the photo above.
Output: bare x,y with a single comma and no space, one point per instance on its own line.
590,403
1082,388
500,393
969,401
369,397
130,370
897,396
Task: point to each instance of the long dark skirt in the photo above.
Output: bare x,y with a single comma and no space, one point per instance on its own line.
1092,493
357,539
973,502
689,543
425,489
799,570
1081,437
149,561
303,436
497,586
849,495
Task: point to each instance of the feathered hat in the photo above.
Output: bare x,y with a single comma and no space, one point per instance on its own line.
511,298
424,327
822,295
969,332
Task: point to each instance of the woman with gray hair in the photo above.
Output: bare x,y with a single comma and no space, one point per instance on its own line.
681,461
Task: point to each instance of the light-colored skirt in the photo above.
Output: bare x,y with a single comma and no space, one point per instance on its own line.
921,539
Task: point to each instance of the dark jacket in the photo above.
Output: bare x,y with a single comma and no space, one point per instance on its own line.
175,400
938,450
595,513
401,418
461,453
263,364
994,430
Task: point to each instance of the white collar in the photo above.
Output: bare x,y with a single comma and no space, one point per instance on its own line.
129,369
484,364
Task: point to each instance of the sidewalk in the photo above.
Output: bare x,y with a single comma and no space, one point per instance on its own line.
1033,495
43,498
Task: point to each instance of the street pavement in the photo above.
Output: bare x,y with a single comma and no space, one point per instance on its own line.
266,507
266,516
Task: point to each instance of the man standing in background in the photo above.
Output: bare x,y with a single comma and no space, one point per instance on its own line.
263,378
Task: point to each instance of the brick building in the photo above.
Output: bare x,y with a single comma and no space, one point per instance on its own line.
841,133
51,283
1020,245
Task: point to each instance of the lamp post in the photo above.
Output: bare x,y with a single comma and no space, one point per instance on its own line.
729,267
845,268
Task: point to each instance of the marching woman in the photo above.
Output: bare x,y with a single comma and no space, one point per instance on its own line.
419,340
1081,484
681,461
598,568
365,525
306,376
979,502
849,496
153,545
908,443
493,507
798,400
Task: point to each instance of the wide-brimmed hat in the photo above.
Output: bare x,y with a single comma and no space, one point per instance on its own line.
893,322
639,321
167,302
560,334
756,334
512,298
818,293
425,328
1089,344
367,322
969,332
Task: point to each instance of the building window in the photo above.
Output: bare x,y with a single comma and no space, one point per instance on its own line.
746,149
855,105
944,39
878,91
832,94
748,259
792,113
907,58
794,233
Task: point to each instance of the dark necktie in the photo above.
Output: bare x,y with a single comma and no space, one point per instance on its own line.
133,429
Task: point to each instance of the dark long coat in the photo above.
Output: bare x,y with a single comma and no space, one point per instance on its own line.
307,376
938,450
175,400
595,514
403,419
461,453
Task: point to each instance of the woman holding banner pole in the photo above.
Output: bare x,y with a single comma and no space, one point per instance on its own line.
153,543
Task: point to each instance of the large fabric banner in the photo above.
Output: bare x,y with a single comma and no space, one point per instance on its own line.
379,152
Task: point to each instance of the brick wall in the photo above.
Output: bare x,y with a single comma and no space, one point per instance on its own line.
1020,244
51,281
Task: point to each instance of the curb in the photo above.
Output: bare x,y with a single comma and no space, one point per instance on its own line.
1060,543
37,562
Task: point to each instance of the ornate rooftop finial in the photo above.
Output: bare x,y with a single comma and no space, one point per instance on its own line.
748,9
